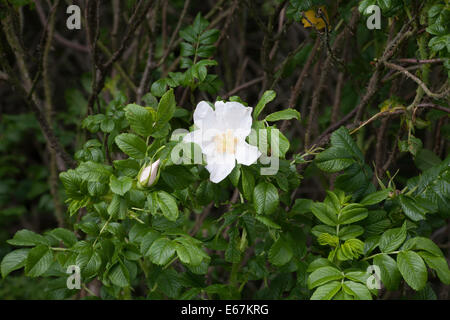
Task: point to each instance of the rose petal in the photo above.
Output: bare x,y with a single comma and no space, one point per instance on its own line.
204,116
246,154
220,166
234,116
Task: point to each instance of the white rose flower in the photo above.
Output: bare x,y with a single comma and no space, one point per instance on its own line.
221,136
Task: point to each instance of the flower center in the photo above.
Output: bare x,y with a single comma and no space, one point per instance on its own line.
226,142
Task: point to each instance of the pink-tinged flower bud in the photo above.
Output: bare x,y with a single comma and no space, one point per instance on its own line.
149,175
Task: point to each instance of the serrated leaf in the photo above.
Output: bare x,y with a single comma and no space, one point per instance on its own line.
280,253
412,208
120,185
392,239
166,107
119,275
286,114
168,205
265,198
267,96
327,291
27,238
439,264
324,213
413,269
375,197
161,251
358,290
323,275
421,243
13,261
390,275
140,119
38,261
188,252
267,222
131,145
334,160
352,213
248,184
64,235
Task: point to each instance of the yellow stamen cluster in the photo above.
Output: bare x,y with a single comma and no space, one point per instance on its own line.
225,142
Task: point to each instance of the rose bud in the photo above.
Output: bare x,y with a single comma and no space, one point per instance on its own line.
149,175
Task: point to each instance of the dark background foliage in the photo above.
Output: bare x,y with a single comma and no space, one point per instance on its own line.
51,78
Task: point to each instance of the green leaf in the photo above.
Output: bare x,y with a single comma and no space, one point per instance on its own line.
390,275
323,275
27,238
120,185
205,51
421,243
140,119
170,282
64,235
364,5
412,208
356,180
426,293
375,197
392,239
234,176
412,145
357,276
349,232
281,252
318,263
188,34
439,264
199,24
118,207
413,269
341,139
107,125
38,261
267,222
131,145
209,36
334,160
119,275
327,291
232,252
89,262
13,261
186,49
177,177
188,252
161,251
128,167
385,4
147,241
352,213
248,184
350,249
325,213
267,96
158,87
426,159
265,198
358,290
286,114
328,239
168,205
166,107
